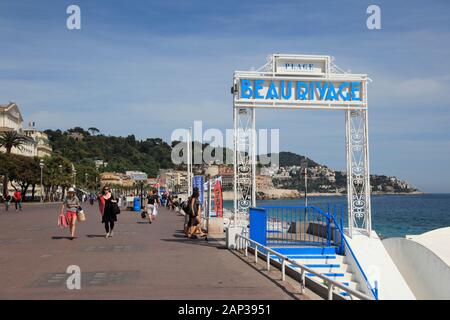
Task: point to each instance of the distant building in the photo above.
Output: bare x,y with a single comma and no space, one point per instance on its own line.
115,179
212,170
269,171
264,182
78,136
137,175
227,174
11,120
174,180
100,163
43,148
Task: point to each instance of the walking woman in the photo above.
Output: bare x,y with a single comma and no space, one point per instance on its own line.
152,205
70,208
195,216
106,206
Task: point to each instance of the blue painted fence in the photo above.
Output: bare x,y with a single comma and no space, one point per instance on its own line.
296,225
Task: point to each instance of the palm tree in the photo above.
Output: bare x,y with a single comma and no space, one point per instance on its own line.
12,139
8,140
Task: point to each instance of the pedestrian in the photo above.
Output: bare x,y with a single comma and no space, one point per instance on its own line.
91,198
18,200
107,207
7,199
70,208
195,216
153,203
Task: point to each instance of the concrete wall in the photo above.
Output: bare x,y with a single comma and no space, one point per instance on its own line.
426,274
379,266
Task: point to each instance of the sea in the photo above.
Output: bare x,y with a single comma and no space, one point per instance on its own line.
392,215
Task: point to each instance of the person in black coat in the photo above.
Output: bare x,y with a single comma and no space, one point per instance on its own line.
107,210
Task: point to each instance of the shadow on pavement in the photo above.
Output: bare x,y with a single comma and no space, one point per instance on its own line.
61,237
264,273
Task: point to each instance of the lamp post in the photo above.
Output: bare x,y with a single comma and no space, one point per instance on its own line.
74,172
305,166
41,165
61,181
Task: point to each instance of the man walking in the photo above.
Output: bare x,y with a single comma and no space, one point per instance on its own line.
18,200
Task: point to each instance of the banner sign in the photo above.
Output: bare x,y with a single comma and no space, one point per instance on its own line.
218,199
300,81
300,90
197,182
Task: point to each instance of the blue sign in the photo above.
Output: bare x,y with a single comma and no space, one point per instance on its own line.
301,90
197,182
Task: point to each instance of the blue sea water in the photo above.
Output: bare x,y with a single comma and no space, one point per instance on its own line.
392,215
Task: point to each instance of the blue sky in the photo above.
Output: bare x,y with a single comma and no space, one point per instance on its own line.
148,67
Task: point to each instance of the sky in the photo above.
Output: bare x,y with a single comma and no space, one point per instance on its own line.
149,67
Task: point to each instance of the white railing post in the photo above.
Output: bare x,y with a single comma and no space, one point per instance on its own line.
256,253
302,283
283,270
246,248
330,291
268,261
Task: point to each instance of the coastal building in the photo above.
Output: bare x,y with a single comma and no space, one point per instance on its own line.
269,171
227,174
136,175
11,120
264,182
43,148
115,179
100,163
174,179
212,170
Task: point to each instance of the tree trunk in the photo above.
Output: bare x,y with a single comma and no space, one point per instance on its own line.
5,185
24,190
33,190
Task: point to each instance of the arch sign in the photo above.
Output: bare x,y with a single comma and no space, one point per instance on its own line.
302,82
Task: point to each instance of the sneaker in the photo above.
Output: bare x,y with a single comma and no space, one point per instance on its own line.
111,234
107,235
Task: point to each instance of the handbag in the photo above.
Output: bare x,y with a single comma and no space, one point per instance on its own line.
143,214
81,216
62,221
115,207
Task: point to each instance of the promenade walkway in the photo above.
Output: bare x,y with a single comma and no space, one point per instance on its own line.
141,261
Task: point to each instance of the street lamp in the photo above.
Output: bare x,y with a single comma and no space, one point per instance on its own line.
41,165
305,166
74,171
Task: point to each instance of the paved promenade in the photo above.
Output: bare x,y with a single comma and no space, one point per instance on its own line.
141,261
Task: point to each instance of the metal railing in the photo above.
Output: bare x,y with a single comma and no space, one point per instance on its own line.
345,245
305,225
243,243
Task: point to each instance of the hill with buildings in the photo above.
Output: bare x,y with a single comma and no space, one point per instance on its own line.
153,157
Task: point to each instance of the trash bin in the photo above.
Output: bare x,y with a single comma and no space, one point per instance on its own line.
137,204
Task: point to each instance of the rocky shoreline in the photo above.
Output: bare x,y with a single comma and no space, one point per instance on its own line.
279,194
